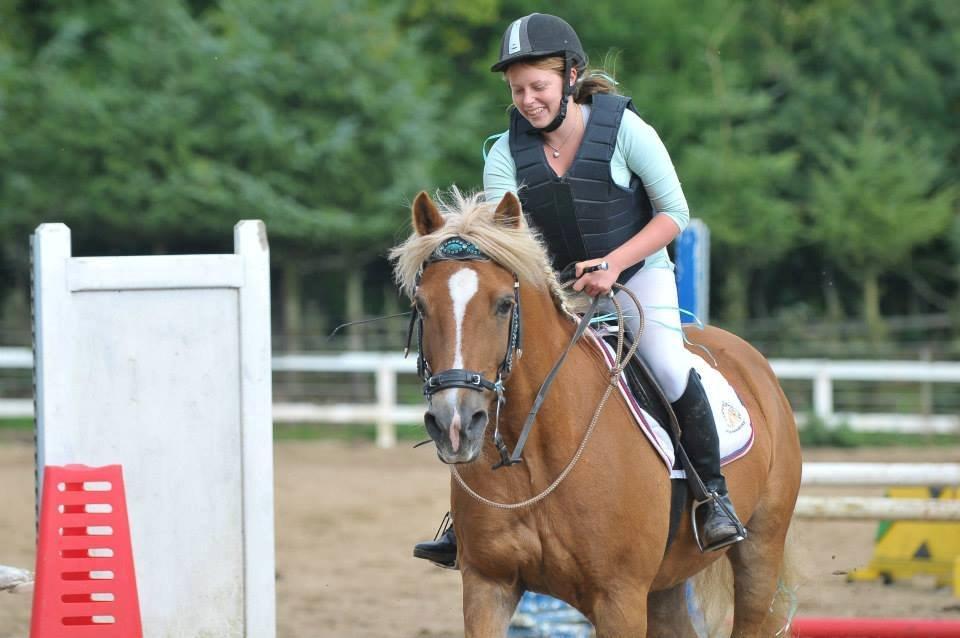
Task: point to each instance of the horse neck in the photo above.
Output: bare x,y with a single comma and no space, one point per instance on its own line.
562,419
547,331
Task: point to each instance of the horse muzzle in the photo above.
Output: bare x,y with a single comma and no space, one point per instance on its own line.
457,427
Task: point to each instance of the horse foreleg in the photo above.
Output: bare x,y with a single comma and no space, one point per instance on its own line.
620,613
488,606
668,615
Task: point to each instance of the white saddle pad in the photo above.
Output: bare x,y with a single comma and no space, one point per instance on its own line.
733,422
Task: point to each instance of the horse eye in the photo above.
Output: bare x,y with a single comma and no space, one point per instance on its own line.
504,306
419,307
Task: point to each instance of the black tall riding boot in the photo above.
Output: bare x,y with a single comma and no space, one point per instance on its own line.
442,550
717,523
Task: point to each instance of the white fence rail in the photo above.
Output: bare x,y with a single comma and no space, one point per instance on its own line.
387,413
823,373
872,509
879,474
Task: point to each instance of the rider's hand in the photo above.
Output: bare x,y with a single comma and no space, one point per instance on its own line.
598,282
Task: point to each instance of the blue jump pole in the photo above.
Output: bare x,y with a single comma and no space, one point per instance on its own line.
692,257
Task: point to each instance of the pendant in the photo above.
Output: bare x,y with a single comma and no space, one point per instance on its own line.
556,153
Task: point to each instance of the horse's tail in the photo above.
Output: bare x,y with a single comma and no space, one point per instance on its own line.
711,607
784,606
712,603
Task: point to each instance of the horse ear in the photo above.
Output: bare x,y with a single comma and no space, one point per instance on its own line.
426,218
508,211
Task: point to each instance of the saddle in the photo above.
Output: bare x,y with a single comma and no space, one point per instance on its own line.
685,483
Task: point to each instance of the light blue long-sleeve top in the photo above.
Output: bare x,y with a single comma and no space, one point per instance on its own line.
639,150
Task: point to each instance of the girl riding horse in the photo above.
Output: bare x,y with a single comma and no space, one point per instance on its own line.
597,183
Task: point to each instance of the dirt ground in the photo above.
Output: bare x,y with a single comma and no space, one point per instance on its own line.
348,515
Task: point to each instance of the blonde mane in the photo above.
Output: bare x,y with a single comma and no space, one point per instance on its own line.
470,217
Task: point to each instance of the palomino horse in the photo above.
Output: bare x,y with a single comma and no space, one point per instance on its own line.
599,540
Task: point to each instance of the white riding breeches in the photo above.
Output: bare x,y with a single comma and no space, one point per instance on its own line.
661,339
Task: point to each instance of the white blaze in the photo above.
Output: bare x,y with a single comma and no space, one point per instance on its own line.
463,286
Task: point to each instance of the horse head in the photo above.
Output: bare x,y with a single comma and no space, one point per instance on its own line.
468,315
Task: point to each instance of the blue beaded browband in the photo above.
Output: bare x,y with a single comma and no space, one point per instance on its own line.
457,249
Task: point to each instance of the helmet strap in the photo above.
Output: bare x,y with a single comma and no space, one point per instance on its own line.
567,91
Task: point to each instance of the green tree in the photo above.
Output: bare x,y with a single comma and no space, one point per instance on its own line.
876,199
154,126
851,80
738,180
170,123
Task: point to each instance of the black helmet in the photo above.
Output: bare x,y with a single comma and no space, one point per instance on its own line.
540,35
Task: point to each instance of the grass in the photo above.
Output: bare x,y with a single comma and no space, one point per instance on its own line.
813,434
23,429
348,433
24,424
19,430
281,432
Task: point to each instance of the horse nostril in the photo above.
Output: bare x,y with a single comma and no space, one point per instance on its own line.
478,420
430,422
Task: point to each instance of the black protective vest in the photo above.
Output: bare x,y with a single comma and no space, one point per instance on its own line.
584,214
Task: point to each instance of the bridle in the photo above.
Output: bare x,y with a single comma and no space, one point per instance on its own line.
459,249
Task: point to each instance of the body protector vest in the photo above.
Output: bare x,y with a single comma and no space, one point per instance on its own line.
584,214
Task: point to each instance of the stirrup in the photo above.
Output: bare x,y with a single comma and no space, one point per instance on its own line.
711,499
445,526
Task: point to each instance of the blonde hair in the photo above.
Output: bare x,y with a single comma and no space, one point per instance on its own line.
471,217
589,81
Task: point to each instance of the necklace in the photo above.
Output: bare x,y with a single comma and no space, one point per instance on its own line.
556,149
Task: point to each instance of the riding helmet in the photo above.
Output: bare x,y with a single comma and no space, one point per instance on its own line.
541,35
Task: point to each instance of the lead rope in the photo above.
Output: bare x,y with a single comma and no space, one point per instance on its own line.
611,384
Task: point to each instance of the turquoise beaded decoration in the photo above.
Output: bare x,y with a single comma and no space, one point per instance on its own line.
458,248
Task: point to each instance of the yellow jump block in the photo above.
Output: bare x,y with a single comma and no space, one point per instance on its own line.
904,549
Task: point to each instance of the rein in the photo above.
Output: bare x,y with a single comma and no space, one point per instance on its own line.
620,362
547,382
459,249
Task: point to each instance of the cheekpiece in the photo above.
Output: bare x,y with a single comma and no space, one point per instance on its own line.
457,248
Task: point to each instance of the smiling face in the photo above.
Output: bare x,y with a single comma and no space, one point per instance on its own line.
536,89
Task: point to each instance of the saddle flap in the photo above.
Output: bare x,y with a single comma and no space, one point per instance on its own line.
734,428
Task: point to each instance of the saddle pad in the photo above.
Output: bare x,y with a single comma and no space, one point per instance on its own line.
734,428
